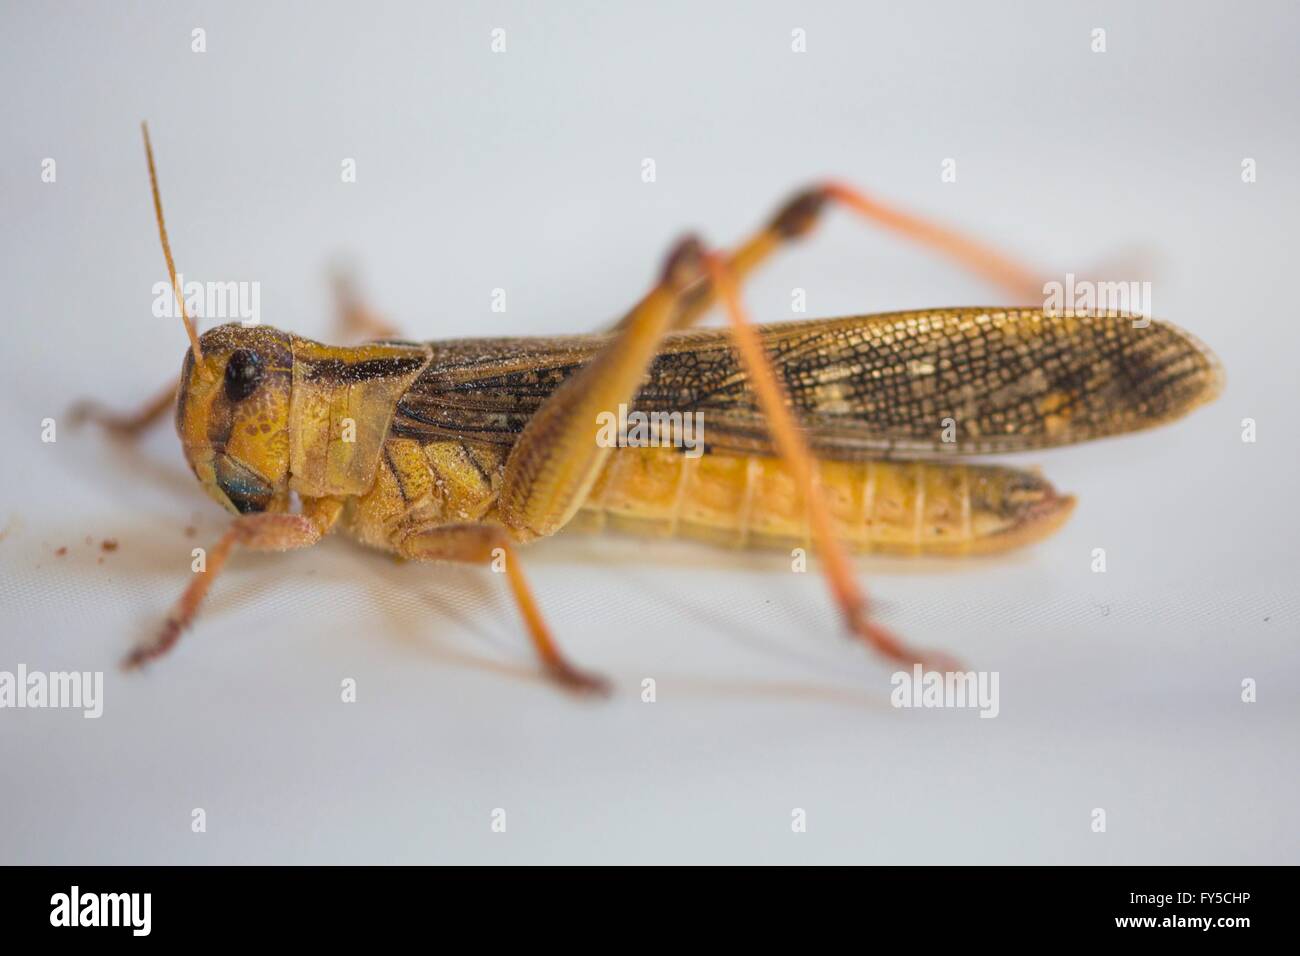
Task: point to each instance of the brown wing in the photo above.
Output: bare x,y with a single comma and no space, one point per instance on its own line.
950,381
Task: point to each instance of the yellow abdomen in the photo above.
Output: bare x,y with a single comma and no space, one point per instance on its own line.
752,502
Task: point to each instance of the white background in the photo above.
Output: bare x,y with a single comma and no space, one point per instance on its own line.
522,171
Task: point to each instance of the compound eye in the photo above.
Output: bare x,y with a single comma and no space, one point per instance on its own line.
243,372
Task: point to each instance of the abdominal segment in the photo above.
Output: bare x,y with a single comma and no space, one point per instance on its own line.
744,501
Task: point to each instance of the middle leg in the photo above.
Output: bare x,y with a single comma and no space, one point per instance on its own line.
355,320
480,544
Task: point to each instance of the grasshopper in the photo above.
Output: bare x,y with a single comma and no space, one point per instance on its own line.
851,434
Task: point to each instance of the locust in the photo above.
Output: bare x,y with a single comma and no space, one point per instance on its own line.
846,435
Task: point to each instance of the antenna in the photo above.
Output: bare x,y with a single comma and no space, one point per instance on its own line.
190,329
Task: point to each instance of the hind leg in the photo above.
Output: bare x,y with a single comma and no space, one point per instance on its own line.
800,215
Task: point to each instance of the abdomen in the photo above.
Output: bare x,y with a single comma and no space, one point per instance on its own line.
891,506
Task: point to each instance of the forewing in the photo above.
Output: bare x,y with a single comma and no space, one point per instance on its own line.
953,381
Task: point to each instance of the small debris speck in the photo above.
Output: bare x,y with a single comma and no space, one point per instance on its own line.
61,552
108,544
